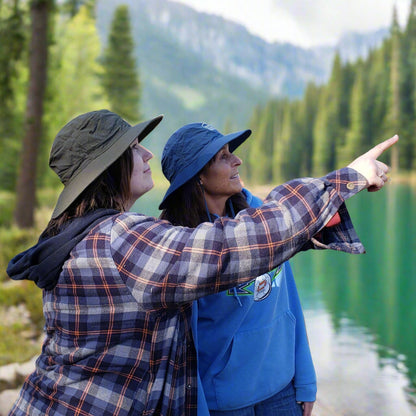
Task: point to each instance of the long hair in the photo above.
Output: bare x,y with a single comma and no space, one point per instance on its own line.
110,190
186,206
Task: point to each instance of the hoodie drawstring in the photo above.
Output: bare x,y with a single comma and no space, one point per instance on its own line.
230,204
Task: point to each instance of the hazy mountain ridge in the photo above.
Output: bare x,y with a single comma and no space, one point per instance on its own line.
198,66
281,68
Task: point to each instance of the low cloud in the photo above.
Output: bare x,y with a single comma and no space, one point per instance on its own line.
306,22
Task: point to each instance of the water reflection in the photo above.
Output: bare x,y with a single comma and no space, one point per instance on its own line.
350,379
375,293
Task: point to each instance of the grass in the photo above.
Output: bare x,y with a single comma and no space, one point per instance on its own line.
14,347
19,334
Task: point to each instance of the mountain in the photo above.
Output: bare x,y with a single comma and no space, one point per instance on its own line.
352,45
200,67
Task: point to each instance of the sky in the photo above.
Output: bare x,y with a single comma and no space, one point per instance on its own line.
305,23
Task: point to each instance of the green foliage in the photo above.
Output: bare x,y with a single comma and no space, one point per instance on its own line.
355,140
6,208
71,7
14,347
13,16
261,165
18,334
120,77
74,85
26,293
12,41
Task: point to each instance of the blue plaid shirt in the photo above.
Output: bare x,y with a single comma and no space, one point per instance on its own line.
118,339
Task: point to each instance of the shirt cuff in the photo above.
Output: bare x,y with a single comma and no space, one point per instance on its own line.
306,393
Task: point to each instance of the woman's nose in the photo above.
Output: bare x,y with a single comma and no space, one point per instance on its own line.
147,154
237,160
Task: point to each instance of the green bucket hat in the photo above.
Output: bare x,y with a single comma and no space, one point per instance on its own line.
86,146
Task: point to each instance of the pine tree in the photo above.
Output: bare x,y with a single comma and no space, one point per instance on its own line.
262,145
26,181
331,120
72,7
13,42
323,158
120,78
296,143
74,85
245,151
378,81
355,141
408,92
395,101
307,117
283,135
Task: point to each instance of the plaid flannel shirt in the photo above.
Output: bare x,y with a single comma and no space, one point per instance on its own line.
118,339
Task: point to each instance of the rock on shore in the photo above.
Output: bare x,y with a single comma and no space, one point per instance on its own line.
12,377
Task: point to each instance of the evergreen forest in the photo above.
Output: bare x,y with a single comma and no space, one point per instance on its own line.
363,103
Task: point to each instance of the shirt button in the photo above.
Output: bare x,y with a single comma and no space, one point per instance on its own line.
350,186
189,386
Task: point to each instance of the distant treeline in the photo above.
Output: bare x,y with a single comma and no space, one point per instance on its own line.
362,103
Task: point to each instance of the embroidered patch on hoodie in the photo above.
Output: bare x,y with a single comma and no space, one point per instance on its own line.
260,287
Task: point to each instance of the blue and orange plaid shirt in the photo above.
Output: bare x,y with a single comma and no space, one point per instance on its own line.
118,339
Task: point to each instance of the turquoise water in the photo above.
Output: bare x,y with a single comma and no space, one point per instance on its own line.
360,310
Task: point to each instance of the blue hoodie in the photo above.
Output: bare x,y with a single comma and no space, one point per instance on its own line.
249,350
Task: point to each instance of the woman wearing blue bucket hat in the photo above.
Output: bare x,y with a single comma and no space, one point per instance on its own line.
252,346
118,286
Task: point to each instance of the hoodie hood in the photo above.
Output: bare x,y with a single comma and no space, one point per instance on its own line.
43,262
252,200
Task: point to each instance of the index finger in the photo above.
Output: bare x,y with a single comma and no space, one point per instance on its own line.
377,150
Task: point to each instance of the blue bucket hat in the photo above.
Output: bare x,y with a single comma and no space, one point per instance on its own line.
190,148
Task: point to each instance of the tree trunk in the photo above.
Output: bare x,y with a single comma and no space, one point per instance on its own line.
38,53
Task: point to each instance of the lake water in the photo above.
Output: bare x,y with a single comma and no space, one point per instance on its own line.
360,310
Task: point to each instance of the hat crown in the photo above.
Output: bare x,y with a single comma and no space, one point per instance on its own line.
82,140
185,146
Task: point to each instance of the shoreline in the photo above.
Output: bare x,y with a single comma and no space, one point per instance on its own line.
394,179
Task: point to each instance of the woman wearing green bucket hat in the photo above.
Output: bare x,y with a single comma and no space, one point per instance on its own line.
119,286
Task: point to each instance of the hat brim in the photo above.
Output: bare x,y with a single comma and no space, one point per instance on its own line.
97,166
234,140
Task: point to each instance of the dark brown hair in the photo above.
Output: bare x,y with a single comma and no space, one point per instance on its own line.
110,190
186,206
